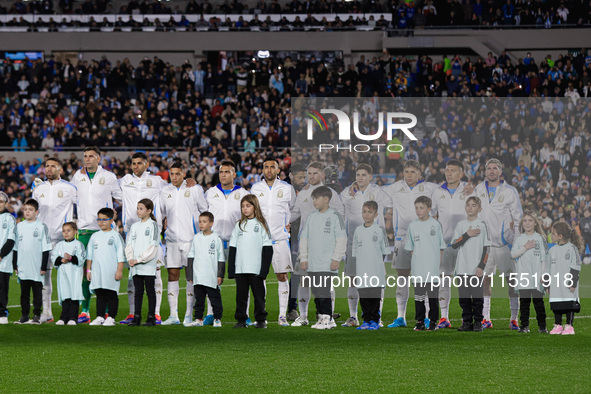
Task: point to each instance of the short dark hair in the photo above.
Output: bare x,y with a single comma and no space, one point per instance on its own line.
108,212
228,163
32,202
455,162
208,215
177,164
424,200
322,191
94,149
271,158
371,205
55,159
139,155
297,167
366,167
71,224
316,164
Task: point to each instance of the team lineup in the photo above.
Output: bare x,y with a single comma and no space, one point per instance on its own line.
432,234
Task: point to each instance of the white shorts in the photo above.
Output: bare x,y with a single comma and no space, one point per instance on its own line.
401,258
176,254
281,257
499,256
448,263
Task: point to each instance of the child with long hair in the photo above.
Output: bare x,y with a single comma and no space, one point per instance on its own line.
565,267
250,254
141,251
531,253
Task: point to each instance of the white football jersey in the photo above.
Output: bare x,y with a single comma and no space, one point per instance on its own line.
134,189
181,207
276,203
56,205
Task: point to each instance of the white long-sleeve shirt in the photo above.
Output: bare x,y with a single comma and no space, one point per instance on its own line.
134,189
499,209
181,207
225,209
56,205
95,194
276,203
403,199
304,205
354,206
449,208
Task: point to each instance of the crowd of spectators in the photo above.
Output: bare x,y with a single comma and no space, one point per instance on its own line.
404,14
242,111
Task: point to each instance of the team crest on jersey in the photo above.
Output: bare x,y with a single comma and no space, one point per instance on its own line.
212,246
567,255
4,225
372,197
237,196
149,183
187,193
280,194
36,233
102,181
111,241
256,228
537,246
501,198
60,194
462,197
432,231
147,232
421,188
375,237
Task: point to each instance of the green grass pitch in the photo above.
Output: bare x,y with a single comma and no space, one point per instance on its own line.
165,359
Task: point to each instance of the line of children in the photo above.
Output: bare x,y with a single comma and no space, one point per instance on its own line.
207,266
471,238
531,253
141,251
69,257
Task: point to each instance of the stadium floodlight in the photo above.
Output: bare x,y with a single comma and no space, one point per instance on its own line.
263,54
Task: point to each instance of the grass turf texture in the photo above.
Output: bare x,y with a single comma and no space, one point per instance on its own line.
176,358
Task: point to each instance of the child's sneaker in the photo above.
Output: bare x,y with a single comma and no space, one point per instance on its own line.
99,321
524,329
135,321
444,323
196,323
568,330
486,323
37,320
151,322
514,325
292,315
4,320
364,326
84,317
373,326
557,329
477,327
300,321
241,324
46,319
60,323
23,320
432,326
420,326
543,330
249,322
427,322
217,323
283,321
127,320
72,323
109,322
351,322
208,321
330,323
466,326
398,322
260,324
171,321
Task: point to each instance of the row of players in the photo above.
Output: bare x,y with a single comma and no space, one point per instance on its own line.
501,211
